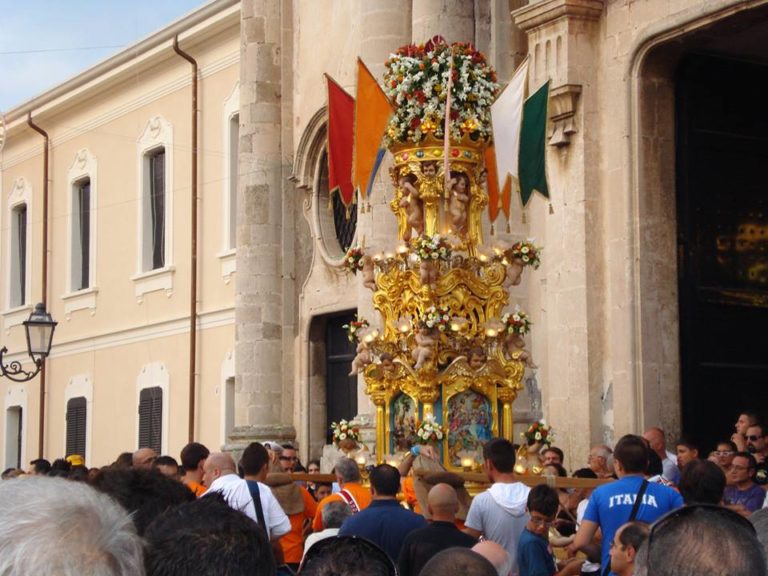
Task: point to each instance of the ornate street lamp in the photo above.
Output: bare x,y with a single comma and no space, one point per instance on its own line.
39,328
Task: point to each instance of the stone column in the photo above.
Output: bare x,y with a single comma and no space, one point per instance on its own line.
566,299
454,20
259,408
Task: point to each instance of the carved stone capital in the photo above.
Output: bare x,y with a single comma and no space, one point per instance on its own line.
546,12
562,110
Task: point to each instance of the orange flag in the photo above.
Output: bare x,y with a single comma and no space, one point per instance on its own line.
372,112
492,181
341,110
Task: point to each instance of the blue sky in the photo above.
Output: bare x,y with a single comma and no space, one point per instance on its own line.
45,42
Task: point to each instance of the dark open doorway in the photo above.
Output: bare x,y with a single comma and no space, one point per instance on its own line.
722,207
341,388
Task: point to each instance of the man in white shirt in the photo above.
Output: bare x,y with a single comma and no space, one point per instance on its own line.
220,475
254,462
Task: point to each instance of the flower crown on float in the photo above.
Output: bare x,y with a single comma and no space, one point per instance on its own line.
345,430
516,322
429,431
526,252
538,432
416,80
353,328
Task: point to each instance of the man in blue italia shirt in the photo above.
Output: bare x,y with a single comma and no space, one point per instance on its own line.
384,522
610,505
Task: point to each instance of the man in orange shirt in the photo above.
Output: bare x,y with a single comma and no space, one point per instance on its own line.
193,457
352,492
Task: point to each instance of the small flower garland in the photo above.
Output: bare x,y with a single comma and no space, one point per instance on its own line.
528,253
353,260
345,430
433,248
516,322
437,317
354,327
416,81
538,432
429,431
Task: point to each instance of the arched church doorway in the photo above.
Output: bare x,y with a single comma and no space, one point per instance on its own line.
722,206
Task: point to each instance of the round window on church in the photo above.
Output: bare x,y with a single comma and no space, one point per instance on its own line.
337,231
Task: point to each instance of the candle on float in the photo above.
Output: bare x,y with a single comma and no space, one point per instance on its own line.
361,460
466,463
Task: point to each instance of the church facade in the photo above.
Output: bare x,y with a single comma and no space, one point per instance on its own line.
645,309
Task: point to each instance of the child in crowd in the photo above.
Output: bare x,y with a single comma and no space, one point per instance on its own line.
534,554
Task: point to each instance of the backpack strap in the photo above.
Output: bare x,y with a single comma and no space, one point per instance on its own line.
346,495
256,495
638,500
632,515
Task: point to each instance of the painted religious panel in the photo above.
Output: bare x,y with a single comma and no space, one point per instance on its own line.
470,421
404,422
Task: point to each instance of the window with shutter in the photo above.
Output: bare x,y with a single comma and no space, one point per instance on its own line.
151,418
76,418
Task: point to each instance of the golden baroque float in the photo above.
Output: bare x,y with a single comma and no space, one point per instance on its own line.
443,348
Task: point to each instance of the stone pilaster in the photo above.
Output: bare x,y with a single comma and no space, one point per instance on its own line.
565,302
454,20
259,315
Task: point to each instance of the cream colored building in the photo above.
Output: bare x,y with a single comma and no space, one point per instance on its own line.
624,332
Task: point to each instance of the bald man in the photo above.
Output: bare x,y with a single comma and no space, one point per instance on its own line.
220,475
496,555
144,458
422,544
658,443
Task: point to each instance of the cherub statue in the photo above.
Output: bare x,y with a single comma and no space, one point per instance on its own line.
477,358
426,342
414,207
515,343
458,201
387,362
369,278
429,270
362,359
514,269
430,182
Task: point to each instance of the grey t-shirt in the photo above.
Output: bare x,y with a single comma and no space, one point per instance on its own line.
500,515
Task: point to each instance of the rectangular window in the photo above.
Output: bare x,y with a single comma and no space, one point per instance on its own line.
13,435
81,235
234,152
157,208
151,418
18,255
76,418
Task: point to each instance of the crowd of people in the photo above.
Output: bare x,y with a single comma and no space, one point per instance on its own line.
648,511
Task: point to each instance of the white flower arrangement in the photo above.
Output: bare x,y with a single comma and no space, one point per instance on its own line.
516,322
526,252
437,317
433,248
416,80
345,430
429,431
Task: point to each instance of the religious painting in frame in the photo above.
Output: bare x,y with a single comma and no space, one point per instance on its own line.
403,421
469,420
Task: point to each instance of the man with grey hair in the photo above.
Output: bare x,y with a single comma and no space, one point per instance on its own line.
334,514
55,526
600,461
357,496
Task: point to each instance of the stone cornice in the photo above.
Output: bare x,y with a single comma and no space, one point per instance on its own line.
545,12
